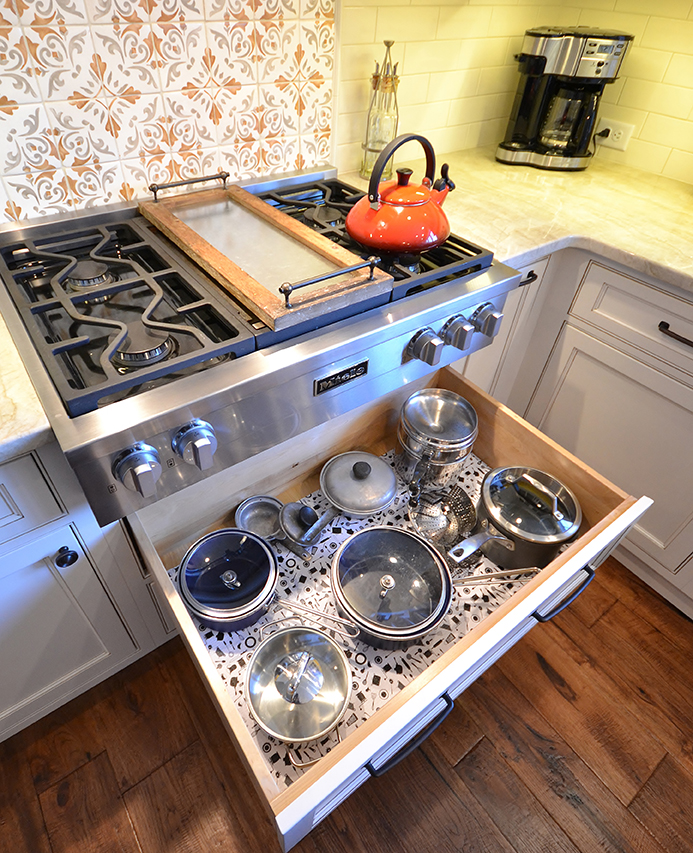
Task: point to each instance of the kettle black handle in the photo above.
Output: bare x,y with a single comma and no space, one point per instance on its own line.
387,152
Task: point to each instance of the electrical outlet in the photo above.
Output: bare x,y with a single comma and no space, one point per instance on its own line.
619,135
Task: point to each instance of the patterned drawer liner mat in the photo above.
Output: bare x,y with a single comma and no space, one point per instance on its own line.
377,674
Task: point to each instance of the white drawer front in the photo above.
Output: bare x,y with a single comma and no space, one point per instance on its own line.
633,310
26,500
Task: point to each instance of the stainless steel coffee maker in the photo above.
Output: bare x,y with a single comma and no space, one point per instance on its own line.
563,73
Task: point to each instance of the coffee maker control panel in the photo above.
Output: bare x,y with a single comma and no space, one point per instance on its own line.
601,59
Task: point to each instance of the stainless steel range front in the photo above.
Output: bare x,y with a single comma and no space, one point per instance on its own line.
154,378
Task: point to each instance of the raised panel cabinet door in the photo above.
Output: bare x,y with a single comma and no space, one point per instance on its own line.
631,423
58,627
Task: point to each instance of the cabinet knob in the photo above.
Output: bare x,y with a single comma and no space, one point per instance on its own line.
66,557
138,468
196,444
426,346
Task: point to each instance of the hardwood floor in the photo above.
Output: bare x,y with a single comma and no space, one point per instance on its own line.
578,739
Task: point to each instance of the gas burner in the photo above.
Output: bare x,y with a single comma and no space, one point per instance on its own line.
324,215
88,274
394,263
143,346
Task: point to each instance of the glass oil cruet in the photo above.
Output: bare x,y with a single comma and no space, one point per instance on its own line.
383,115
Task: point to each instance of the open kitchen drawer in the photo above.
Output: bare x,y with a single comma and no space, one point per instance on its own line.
290,471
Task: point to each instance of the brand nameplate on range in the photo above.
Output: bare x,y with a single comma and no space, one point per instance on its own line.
334,380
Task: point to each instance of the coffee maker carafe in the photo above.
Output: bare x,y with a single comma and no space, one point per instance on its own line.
563,73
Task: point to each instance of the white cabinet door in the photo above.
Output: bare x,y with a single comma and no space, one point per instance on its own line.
59,630
631,423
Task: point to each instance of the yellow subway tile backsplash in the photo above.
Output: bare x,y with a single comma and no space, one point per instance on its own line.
358,25
464,22
680,71
410,23
657,98
663,130
665,34
647,64
663,8
444,86
679,166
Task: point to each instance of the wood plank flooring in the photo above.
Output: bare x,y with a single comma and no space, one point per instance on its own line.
579,739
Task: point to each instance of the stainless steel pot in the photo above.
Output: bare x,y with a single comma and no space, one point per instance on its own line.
298,684
228,579
533,510
437,430
391,584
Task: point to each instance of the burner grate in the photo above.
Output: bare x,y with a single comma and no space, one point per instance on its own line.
323,207
143,319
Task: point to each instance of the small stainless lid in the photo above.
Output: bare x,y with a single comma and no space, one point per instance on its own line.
531,505
440,418
298,684
358,482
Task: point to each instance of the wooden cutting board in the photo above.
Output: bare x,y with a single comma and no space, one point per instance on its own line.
232,234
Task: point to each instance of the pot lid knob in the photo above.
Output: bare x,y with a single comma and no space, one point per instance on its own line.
361,470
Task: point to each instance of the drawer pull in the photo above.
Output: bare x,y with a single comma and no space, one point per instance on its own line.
66,557
415,742
531,276
664,328
571,598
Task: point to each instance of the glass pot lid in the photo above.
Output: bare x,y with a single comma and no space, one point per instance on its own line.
531,504
227,573
439,418
358,482
389,580
298,684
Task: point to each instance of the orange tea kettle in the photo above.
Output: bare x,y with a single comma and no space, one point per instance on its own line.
396,216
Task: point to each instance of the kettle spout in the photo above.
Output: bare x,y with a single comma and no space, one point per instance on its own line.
442,186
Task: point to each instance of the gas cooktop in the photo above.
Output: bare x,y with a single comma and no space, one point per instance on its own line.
114,309
154,378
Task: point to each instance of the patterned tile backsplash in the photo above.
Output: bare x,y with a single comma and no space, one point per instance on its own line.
100,98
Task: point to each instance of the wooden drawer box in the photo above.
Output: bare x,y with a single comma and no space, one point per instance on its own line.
290,471
632,310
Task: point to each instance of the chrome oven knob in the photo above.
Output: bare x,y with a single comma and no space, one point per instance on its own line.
426,346
138,468
196,444
458,332
486,319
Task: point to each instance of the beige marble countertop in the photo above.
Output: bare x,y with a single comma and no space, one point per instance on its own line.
23,423
640,220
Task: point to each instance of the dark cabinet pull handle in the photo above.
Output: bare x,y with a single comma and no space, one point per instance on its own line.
664,328
415,742
66,557
571,598
531,276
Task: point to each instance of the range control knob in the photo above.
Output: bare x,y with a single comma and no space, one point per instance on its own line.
138,468
458,332
426,346
486,319
196,444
